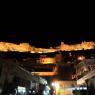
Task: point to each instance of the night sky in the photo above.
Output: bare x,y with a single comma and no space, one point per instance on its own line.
45,29
45,38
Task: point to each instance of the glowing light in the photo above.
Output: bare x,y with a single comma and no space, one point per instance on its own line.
47,60
21,89
81,58
44,73
55,85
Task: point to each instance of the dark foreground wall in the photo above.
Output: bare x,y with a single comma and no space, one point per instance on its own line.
91,86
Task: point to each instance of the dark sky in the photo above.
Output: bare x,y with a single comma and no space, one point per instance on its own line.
49,30
45,38
45,29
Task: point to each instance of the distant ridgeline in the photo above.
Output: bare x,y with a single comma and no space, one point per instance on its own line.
25,47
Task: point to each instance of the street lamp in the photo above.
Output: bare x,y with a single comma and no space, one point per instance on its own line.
56,87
